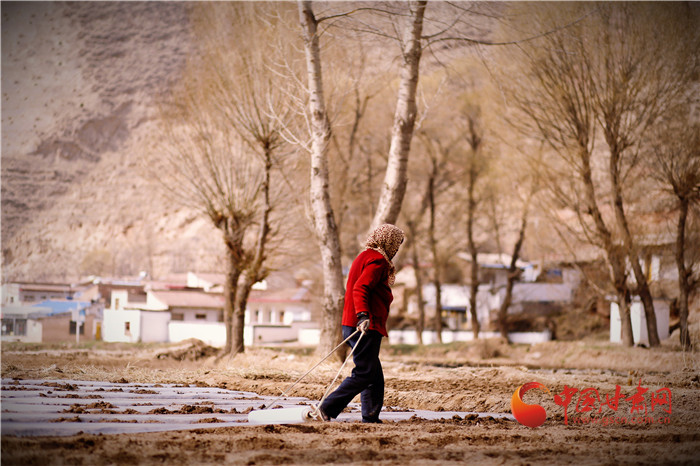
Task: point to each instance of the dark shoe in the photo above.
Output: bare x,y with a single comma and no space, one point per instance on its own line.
322,416
372,421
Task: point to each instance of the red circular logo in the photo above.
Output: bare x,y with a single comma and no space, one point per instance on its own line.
527,414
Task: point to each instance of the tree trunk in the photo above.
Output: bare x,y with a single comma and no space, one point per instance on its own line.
420,324
254,271
615,260
630,248
623,297
474,283
230,289
239,312
473,292
683,275
513,272
323,218
617,264
503,310
438,306
395,179
433,248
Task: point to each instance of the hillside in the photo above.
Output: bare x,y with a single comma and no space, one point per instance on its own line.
79,81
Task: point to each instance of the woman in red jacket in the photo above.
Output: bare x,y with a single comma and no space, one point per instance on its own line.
367,299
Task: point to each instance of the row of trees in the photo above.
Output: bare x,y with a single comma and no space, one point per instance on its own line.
499,131
623,75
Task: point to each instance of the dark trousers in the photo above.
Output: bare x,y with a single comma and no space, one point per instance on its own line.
367,378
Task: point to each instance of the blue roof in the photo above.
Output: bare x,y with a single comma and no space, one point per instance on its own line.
60,307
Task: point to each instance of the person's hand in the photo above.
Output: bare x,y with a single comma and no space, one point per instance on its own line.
363,321
363,326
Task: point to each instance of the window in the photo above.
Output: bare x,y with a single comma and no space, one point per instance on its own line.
177,316
72,327
116,303
127,328
200,316
14,327
281,314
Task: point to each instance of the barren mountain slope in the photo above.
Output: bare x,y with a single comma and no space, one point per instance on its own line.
78,87
80,82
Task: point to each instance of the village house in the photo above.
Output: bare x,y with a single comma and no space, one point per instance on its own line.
140,310
172,315
50,312
52,321
529,297
32,293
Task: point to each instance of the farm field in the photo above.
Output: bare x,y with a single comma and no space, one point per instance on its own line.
475,377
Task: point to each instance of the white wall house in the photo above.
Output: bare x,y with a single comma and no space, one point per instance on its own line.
455,300
31,293
193,314
455,304
177,315
134,322
22,323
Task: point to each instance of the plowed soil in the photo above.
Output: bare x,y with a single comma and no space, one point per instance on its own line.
478,377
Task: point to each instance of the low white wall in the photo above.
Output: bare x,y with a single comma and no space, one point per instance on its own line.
309,336
265,334
214,333
530,337
211,333
409,337
639,322
154,326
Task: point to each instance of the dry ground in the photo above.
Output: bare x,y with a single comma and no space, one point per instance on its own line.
477,376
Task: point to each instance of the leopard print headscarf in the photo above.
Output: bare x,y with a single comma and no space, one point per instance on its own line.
386,239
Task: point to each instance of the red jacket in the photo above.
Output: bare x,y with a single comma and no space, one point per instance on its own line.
368,291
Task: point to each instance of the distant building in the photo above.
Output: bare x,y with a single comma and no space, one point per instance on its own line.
139,310
172,315
493,268
31,293
52,321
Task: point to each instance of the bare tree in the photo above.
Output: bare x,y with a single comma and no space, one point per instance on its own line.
437,263
451,23
475,168
413,216
513,269
677,161
394,186
555,97
438,180
212,172
418,274
323,217
222,148
636,77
